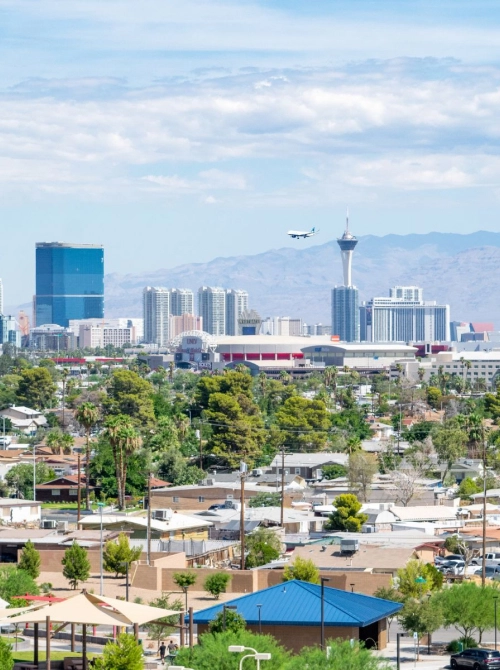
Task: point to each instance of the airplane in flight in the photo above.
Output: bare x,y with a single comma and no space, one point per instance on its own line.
302,234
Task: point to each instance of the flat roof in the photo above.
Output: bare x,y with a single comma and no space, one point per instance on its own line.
368,557
66,245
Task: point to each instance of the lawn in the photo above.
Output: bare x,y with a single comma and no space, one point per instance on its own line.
64,505
27,656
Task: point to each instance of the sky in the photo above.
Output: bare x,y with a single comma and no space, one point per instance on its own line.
175,132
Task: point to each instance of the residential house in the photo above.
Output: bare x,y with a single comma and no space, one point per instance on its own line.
308,466
173,525
62,489
24,419
13,510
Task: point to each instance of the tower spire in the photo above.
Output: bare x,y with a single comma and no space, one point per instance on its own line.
347,220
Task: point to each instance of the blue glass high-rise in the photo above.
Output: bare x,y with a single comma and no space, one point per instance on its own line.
69,282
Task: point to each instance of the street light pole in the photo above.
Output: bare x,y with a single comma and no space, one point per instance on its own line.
260,619
495,599
101,592
323,580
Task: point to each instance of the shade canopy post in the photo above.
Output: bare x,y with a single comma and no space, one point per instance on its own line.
136,632
47,641
35,650
191,627
84,646
72,637
182,624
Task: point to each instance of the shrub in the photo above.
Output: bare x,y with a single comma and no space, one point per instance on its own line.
217,583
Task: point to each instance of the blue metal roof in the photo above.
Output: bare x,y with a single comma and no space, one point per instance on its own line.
297,603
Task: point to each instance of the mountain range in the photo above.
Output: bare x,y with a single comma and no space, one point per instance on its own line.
459,270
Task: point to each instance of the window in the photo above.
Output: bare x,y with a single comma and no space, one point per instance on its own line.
201,499
73,492
56,492
229,496
297,471
175,499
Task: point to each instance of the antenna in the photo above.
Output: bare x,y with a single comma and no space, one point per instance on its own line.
347,220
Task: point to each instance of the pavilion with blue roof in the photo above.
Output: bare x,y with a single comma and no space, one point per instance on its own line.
291,612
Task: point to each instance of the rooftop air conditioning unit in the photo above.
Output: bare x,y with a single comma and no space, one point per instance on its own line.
257,472
48,523
210,482
162,514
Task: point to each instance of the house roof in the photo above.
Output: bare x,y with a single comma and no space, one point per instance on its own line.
424,513
297,603
158,483
176,522
369,557
310,460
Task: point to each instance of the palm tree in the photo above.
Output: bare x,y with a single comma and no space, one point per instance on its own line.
468,365
53,441
171,369
285,377
331,374
421,374
124,440
87,415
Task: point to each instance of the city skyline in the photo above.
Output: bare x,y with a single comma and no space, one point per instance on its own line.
238,136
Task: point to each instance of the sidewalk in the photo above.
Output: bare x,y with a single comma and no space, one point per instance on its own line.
432,662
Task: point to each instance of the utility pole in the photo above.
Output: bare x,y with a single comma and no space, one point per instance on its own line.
199,434
483,570
282,511
243,474
149,521
79,491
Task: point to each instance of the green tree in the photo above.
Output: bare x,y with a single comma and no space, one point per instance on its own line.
302,569
305,423
15,582
124,441
87,416
20,477
76,565
449,443
421,617
156,629
212,651
103,470
467,488
174,468
6,658
30,560
361,469
341,656
265,500
237,428
184,580
347,515
36,388
217,583
434,397
263,546
59,442
119,552
233,622
130,395
123,654
468,607
415,579
392,594
333,471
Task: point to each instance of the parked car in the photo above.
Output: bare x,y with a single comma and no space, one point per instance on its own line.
492,571
492,557
477,659
439,560
214,507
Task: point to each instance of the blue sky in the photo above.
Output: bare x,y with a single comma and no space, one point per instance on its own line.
175,132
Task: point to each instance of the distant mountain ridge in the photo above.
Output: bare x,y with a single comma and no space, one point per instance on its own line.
460,270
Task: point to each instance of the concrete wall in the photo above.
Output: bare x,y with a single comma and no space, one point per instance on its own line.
241,582
50,560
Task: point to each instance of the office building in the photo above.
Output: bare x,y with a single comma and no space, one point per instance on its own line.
184,324
345,313
404,319
236,304
51,337
249,323
100,336
134,325
181,301
212,309
281,325
345,299
156,313
9,332
69,282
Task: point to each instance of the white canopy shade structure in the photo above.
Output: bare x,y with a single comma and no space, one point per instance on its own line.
84,609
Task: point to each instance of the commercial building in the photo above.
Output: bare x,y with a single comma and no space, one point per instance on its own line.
181,301
51,337
69,282
185,323
282,325
212,309
236,304
94,336
473,366
156,313
249,323
404,317
366,357
134,324
345,299
9,333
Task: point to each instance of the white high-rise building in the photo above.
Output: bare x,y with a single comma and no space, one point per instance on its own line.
212,309
404,317
236,304
181,301
156,308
